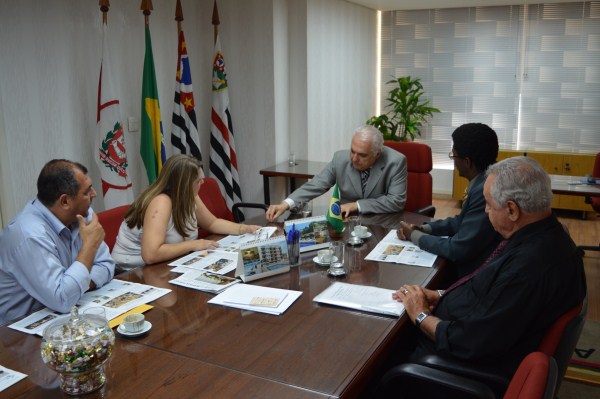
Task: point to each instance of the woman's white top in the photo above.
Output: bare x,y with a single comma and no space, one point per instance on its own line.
127,251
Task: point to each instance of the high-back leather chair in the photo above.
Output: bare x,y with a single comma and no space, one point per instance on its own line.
111,220
534,379
210,194
419,185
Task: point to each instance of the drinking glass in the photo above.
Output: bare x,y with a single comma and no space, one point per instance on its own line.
306,208
336,266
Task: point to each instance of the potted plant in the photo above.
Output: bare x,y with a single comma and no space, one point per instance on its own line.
407,111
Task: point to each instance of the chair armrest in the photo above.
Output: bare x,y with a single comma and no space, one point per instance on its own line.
488,376
238,216
428,210
417,381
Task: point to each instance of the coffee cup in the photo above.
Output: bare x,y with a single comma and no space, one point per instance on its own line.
324,255
134,322
361,231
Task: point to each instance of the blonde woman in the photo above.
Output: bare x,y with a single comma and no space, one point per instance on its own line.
162,223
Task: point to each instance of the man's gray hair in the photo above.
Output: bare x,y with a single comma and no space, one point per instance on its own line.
370,134
522,180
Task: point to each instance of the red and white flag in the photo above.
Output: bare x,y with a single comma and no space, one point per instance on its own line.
223,160
110,139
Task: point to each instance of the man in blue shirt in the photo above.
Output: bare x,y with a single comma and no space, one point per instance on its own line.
53,251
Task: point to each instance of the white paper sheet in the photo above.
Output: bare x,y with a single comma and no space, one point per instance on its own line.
361,297
241,296
9,377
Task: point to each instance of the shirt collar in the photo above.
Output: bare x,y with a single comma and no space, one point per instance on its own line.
54,222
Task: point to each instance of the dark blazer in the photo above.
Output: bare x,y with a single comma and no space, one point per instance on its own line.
386,187
470,235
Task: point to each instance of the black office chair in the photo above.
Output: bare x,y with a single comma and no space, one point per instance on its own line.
535,378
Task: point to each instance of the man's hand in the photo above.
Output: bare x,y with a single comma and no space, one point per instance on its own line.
275,211
92,236
349,208
404,230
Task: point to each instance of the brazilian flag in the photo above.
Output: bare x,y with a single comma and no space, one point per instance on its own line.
334,214
152,146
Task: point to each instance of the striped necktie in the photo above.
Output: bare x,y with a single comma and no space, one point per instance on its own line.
364,176
468,277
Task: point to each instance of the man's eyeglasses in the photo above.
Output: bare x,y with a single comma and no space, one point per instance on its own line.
452,156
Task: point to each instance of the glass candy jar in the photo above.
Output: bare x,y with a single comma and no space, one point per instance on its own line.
77,348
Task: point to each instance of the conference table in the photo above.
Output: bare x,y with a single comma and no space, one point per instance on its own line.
200,350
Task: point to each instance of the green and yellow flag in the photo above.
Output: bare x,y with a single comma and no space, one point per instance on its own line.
152,146
334,214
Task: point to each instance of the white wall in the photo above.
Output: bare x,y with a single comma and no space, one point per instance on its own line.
300,73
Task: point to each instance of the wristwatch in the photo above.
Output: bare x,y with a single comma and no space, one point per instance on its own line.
420,317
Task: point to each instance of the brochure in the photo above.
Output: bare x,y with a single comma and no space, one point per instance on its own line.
393,250
204,281
232,243
116,297
212,260
314,233
361,297
256,298
264,258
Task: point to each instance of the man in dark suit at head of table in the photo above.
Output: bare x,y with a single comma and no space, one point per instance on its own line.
371,178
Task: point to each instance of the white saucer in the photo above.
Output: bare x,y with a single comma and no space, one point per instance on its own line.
144,330
318,262
368,235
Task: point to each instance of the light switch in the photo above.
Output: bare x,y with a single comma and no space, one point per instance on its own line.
133,124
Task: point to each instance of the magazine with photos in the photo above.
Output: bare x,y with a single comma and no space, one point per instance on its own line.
314,233
205,281
264,258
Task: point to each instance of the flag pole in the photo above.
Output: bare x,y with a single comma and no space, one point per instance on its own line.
104,5
178,16
215,20
147,8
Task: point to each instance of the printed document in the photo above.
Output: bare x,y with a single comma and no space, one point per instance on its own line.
361,297
256,298
393,250
116,297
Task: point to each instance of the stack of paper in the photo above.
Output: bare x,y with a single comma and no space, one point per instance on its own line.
205,281
211,260
256,298
361,297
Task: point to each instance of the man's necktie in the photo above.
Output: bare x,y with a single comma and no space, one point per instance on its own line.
364,176
468,277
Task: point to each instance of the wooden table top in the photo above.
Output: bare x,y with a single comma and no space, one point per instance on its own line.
312,350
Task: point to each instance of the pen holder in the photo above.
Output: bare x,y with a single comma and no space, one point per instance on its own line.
293,246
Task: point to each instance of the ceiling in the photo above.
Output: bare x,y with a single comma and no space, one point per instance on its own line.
387,5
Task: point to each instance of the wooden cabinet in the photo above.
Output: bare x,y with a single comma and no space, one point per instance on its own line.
555,164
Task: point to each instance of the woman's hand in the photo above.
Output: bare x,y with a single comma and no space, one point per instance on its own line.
199,245
248,228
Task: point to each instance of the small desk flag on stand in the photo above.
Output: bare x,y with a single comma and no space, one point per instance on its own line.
334,214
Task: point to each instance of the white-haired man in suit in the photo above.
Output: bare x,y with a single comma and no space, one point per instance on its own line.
371,178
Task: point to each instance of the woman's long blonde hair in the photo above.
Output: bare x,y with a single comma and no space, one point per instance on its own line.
176,180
